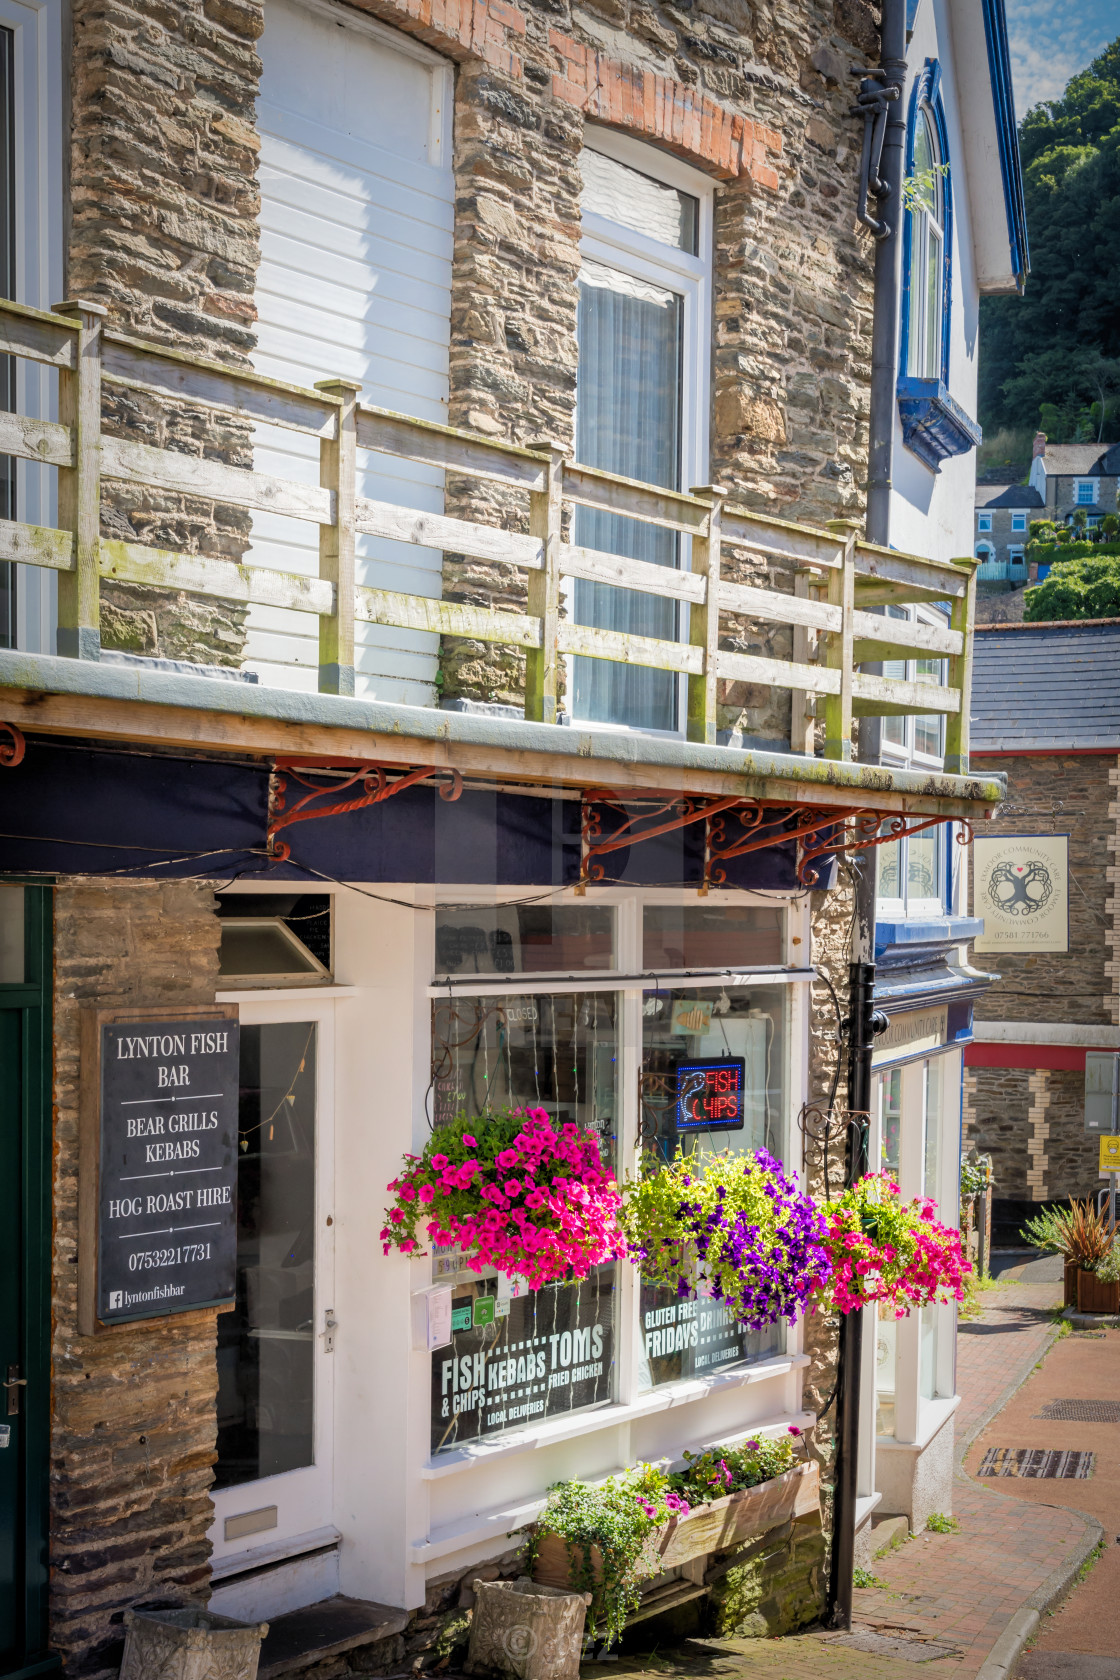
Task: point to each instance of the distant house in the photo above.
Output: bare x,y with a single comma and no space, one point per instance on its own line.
1003,516
1046,712
1072,476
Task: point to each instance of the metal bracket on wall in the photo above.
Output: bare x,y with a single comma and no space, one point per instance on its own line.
11,751
377,782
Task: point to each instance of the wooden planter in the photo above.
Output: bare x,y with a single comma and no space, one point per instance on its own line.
707,1528
1093,1296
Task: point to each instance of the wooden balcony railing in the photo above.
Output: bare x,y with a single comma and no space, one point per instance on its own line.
836,578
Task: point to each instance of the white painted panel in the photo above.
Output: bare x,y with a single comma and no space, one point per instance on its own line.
354,282
272,1592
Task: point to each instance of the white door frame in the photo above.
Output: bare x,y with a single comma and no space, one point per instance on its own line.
304,1498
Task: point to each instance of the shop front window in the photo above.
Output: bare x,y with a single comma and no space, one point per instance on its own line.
886,1361
713,1061
890,1088
266,1345
518,1355
931,1153
525,939
710,936
927,1359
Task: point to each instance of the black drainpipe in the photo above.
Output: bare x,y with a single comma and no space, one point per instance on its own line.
881,92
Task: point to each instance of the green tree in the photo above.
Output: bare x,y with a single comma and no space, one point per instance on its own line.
1070,149
1080,587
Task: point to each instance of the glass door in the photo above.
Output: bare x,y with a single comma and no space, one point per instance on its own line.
272,1481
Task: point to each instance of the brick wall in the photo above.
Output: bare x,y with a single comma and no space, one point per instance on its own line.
133,1427
164,233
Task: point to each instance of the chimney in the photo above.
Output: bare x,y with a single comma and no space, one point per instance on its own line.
1039,445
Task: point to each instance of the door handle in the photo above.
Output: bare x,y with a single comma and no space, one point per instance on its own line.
13,1385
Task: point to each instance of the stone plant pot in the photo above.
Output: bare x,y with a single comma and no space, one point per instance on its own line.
1094,1296
532,1632
190,1644
716,1527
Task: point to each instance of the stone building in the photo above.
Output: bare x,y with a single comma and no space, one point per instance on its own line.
1075,477
1046,709
1003,521
555,327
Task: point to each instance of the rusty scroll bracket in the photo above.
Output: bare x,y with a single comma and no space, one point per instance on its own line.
11,751
374,780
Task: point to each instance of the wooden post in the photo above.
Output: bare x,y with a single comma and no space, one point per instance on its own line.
79,486
840,647
703,622
963,618
802,714
542,675
338,473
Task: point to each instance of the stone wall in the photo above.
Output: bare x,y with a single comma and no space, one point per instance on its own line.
134,1422
164,233
762,105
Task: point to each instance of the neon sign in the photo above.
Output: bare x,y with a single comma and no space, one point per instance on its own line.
710,1094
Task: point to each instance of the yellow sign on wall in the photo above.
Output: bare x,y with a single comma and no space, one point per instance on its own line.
1110,1155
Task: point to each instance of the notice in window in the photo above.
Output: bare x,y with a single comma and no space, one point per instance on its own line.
516,1361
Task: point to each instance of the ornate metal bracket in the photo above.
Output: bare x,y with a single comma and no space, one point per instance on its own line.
824,1128
873,829
12,751
378,782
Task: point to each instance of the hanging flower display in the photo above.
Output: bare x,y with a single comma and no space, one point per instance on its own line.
514,1191
887,1250
734,1221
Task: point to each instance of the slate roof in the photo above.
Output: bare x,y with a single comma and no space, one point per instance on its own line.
1085,460
1009,496
1045,687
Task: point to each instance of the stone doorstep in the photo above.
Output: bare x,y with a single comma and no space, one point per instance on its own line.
302,1637
1091,1321
883,1532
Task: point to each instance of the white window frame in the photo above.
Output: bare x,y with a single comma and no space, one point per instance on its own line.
927,227
1018,521
983,521
905,755
1084,492
628,904
1016,556
39,126
614,246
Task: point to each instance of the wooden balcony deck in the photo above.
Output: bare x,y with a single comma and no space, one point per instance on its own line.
834,578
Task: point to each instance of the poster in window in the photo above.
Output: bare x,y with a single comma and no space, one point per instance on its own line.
514,1361
1021,890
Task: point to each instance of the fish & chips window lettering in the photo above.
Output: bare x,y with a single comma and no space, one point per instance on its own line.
655,1026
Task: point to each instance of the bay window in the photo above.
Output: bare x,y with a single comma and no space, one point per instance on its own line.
926,227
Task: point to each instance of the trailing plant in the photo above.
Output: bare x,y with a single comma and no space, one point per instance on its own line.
734,1223
609,1530
887,1250
513,1190
1108,1269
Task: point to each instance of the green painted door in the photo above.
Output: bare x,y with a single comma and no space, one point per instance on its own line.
24,1275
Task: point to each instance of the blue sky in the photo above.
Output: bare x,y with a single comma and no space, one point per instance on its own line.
1052,39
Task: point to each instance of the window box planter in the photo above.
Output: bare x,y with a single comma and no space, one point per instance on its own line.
934,427
716,1527
1093,1296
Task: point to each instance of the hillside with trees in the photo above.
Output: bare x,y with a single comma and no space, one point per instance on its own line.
1051,358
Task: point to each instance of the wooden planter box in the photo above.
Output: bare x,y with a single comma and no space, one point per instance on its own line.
1093,1296
707,1528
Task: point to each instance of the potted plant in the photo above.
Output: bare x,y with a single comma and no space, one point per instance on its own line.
515,1191
1099,1291
610,1539
734,1224
885,1250
1050,1231
1090,1245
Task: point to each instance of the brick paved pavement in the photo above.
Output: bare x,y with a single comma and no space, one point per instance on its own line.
941,1590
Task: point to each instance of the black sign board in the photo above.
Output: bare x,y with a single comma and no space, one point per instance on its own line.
166,1208
551,1352
710,1094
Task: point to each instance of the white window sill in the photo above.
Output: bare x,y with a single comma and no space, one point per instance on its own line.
498,1525
607,1417
932,1415
289,994
865,1504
